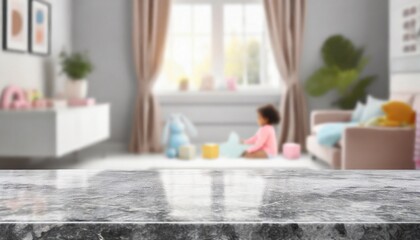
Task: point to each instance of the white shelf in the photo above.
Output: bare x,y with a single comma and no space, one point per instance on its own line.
52,132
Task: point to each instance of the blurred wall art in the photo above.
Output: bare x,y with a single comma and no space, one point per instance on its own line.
15,25
40,27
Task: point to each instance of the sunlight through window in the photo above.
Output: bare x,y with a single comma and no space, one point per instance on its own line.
224,41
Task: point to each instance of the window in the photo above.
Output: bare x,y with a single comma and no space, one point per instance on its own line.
225,40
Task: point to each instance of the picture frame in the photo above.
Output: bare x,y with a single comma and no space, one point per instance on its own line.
16,25
40,27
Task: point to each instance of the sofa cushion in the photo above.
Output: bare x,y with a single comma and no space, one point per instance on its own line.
373,109
330,134
317,128
358,112
332,156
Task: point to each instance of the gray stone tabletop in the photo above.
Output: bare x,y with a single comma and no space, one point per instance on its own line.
208,204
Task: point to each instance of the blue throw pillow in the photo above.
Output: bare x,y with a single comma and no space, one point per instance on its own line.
373,109
358,112
331,133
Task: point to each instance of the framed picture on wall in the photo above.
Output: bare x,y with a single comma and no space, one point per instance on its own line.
15,25
40,27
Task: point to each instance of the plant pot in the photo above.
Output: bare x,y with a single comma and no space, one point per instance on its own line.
76,89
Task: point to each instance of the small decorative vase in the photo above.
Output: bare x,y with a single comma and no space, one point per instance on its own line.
231,84
207,83
184,85
76,89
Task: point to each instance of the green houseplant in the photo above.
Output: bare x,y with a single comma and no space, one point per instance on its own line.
76,66
342,72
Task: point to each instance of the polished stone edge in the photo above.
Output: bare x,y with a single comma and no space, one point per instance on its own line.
176,231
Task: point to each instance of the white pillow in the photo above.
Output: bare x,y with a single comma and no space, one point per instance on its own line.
358,112
373,109
318,127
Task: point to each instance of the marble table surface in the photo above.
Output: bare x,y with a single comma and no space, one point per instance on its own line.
42,200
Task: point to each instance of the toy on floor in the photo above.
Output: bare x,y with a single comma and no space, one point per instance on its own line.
292,151
210,151
187,152
397,114
233,148
175,134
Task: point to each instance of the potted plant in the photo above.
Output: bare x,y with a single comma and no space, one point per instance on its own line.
342,71
76,66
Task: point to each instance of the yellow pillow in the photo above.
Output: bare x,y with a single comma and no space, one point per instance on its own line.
399,112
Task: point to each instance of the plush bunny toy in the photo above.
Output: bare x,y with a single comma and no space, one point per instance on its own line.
175,136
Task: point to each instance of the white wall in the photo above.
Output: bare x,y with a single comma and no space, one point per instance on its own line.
405,83
405,71
31,71
104,28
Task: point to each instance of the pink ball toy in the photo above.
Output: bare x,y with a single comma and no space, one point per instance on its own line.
292,151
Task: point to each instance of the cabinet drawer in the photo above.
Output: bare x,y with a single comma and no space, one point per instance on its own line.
81,128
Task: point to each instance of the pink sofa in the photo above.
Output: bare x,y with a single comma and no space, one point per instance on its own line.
363,147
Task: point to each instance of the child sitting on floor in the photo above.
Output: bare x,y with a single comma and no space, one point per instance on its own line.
264,143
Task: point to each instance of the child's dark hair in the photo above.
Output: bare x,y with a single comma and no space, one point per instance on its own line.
270,113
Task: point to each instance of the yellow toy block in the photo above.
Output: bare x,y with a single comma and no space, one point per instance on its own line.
210,151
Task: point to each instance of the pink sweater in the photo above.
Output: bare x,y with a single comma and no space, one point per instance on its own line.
265,140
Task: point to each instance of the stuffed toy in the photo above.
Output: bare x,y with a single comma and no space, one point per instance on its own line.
233,148
14,98
175,134
397,114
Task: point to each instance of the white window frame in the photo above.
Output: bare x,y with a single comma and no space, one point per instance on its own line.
217,42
